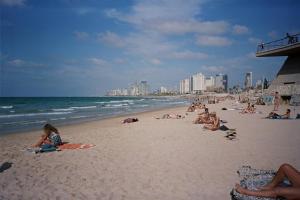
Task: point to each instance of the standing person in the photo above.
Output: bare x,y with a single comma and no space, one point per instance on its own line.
276,101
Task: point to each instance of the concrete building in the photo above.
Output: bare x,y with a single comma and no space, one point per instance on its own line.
163,90
248,80
198,83
185,86
221,82
209,83
287,81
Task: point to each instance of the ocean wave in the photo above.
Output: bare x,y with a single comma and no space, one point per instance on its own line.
115,105
60,118
33,114
83,107
62,109
121,101
142,106
78,117
24,122
6,107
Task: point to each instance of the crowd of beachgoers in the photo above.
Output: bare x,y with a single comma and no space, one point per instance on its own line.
210,121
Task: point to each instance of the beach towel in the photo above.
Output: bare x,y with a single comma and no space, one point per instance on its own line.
253,179
74,146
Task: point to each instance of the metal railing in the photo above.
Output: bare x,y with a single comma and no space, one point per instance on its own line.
289,40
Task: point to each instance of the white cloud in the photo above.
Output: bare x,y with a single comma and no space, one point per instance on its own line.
81,35
189,55
12,2
240,30
111,38
213,69
254,40
205,40
155,61
24,63
169,17
98,61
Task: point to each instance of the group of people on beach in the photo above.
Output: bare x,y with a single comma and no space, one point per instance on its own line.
51,138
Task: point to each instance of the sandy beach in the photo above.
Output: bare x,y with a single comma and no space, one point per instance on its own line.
152,159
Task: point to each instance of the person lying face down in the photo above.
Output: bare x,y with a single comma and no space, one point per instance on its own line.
172,116
274,189
50,138
130,120
214,123
273,115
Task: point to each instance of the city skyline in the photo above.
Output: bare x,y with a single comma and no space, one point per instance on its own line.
85,48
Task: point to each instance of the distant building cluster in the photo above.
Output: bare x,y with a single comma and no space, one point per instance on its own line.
198,83
136,89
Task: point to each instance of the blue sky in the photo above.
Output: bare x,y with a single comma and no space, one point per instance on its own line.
86,47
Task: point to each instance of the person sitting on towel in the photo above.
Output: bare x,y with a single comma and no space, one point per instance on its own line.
191,108
273,189
50,138
273,115
203,118
214,122
247,110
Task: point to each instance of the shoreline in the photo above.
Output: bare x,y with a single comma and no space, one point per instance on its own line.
94,120
169,159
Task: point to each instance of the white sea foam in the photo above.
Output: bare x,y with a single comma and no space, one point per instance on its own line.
6,107
122,101
78,117
62,109
33,114
60,118
83,107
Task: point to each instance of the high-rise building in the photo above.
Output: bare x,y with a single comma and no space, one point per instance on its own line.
248,80
143,88
163,90
185,86
198,83
209,83
221,82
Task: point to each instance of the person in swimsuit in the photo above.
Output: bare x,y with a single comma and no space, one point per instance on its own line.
273,189
50,138
203,118
214,122
273,115
276,101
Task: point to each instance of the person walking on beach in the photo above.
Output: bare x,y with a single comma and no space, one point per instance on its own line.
273,189
276,101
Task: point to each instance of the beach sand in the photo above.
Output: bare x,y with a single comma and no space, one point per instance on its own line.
151,159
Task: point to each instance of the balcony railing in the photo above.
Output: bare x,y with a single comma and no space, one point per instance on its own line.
289,40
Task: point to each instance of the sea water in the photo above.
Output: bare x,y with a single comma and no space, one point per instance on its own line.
30,113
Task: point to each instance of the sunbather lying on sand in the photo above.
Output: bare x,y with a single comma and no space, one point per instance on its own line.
50,138
130,120
273,115
273,189
172,116
203,118
214,123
